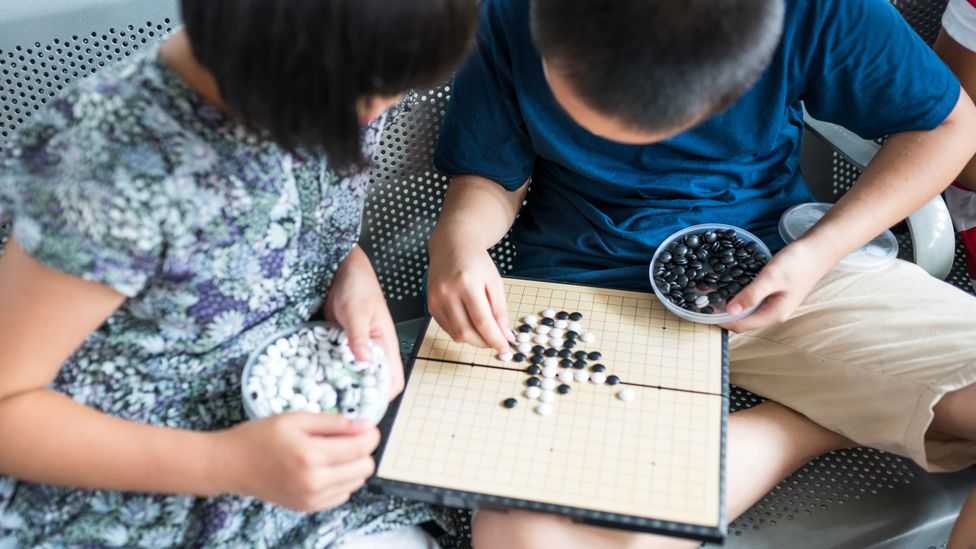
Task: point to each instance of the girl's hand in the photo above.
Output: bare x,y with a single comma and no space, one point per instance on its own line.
355,302
306,462
781,286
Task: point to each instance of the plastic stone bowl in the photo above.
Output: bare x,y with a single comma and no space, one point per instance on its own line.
249,404
719,316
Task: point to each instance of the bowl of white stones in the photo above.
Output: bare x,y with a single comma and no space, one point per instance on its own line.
311,368
696,271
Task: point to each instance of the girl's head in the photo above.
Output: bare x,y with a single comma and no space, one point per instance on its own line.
311,72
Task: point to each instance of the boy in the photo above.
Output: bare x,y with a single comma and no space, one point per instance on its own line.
638,118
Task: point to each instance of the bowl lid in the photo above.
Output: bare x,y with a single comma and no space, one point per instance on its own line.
873,256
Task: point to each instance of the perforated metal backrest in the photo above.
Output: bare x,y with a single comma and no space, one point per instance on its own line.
45,44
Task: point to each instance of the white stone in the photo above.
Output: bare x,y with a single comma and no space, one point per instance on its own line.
547,396
575,326
598,377
542,329
549,372
550,362
626,394
548,313
565,376
556,333
533,392
548,384
525,347
581,375
543,409
531,320
561,324
588,337
702,301
523,336
541,339
506,356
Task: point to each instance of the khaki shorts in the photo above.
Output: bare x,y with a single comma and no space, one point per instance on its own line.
868,355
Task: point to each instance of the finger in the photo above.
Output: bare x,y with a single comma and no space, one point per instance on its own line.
351,472
343,449
499,305
463,331
336,495
773,310
327,424
358,327
479,311
752,295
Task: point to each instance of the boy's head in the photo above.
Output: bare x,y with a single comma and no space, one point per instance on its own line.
639,71
310,72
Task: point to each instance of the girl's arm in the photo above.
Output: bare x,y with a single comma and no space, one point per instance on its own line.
315,460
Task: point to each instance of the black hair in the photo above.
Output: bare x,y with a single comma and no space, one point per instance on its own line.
296,68
658,64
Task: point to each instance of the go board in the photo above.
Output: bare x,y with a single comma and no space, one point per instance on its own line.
654,463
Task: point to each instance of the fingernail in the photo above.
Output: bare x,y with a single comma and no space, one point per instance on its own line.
735,309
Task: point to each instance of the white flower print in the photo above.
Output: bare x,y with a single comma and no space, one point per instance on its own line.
178,326
225,326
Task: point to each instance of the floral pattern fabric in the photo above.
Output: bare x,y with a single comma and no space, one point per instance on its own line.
218,239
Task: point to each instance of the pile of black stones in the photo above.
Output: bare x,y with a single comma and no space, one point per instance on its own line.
701,271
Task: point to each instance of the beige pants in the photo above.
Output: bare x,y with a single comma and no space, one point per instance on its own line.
868,356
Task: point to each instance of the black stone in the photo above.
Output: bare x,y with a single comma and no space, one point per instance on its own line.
533,382
693,242
510,403
518,357
547,322
612,380
551,351
525,328
595,355
566,363
562,315
708,310
536,359
679,249
664,257
598,368
579,355
564,389
565,353
579,364
538,350
569,343
576,317
533,370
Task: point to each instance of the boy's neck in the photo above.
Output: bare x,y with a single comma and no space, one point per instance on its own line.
177,53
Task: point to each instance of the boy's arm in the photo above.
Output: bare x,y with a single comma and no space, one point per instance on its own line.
910,169
962,61
465,293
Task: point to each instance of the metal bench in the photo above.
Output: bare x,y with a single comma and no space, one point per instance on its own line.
857,498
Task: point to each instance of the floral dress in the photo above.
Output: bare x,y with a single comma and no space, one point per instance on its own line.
218,239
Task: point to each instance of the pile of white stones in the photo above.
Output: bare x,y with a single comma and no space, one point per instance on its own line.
312,369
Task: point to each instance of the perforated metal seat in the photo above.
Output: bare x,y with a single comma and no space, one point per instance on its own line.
857,498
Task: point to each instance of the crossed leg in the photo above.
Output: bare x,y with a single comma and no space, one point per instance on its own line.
765,444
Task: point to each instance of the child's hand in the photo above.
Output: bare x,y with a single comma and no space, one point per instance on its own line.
781,286
356,303
306,462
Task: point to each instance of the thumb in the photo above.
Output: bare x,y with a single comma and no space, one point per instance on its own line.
357,331
329,424
750,296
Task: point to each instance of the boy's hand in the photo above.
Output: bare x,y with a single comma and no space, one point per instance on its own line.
306,462
466,296
355,302
781,286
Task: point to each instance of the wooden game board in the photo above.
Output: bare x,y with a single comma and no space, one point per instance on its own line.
653,464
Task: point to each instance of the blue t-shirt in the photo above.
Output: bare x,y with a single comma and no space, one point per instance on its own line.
598,209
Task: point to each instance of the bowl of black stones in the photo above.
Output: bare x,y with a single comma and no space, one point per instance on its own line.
311,368
696,271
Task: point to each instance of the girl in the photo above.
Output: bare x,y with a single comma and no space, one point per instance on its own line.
169,214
